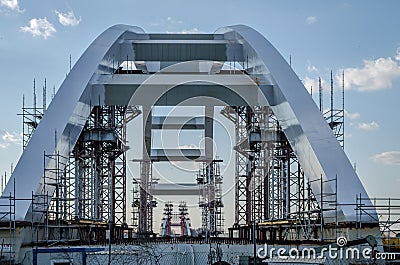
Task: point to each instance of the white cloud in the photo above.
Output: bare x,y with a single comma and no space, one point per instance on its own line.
68,19
190,31
174,26
311,68
388,158
314,83
166,22
8,138
348,135
40,27
347,5
186,31
173,21
351,116
398,54
11,4
372,126
374,75
311,20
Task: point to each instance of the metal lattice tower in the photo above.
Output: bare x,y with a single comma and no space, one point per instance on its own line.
210,185
261,137
133,112
89,185
254,139
279,181
167,219
238,115
135,203
101,166
270,183
184,219
146,202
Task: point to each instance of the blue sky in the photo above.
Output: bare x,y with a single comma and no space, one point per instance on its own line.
38,36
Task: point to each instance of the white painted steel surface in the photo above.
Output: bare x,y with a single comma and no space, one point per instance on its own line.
310,136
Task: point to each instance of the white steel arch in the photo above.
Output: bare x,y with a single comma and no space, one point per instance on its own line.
310,136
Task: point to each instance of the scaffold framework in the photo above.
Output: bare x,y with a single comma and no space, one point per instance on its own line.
89,185
209,180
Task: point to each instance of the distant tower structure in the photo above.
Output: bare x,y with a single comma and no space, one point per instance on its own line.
209,180
185,220
175,219
167,220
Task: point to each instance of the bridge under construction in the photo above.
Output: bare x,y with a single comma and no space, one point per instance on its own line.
293,183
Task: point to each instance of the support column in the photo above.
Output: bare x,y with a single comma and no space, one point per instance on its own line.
208,133
145,202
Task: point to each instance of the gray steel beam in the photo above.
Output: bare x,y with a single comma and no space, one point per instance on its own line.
178,52
178,123
177,88
175,189
176,154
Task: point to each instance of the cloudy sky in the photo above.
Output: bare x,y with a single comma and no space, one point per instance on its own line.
360,37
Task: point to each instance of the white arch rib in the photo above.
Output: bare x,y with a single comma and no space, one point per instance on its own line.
308,133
